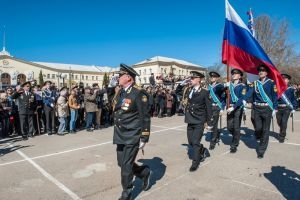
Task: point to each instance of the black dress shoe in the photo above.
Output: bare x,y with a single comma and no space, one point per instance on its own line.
24,138
233,149
89,130
129,197
194,166
260,156
212,146
281,140
204,153
146,181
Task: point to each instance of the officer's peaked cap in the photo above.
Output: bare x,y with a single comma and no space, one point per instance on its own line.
125,69
196,74
236,71
263,68
286,76
214,74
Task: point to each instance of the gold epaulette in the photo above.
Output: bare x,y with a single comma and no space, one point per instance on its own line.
137,87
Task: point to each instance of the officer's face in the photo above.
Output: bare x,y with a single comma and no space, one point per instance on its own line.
124,79
213,79
235,76
195,81
286,80
262,73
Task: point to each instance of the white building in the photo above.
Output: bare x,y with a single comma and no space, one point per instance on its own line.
15,71
164,66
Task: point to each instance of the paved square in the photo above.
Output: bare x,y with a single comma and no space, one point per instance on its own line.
84,166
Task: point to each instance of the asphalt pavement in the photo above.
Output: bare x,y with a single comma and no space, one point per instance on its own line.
84,166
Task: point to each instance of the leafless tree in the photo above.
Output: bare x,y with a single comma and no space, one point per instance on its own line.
273,36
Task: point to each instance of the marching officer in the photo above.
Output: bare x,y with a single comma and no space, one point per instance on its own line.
198,111
27,106
265,104
287,104
237,91
216,91
131,130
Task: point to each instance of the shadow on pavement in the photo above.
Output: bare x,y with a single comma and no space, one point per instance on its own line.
158,168
286,181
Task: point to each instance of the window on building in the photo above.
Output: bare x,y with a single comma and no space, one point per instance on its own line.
48,75
86,84
82,77
53,76
76,77
86,77
72,76
96,78
92,78
150,70
145,80
145,71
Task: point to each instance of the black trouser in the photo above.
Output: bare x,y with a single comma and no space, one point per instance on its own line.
126,155
234,120
282,117
26,121
50,119
215,134
194,135
262,117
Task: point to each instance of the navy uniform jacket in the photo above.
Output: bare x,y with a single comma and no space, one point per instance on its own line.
218,89
26,103
131,116
270,89
240,91
199,108
49,97
290,94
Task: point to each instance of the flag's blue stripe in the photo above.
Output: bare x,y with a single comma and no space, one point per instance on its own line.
243,39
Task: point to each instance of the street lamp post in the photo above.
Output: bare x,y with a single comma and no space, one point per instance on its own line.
58,75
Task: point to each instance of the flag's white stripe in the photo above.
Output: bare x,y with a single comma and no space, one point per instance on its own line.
233,16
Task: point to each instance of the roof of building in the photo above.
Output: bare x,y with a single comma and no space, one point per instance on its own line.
73,67
166,59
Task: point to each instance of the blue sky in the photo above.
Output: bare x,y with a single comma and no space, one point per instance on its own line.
108,32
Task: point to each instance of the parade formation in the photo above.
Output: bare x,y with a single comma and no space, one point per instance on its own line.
198,102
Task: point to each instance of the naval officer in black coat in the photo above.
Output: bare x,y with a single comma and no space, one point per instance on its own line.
27,108
198,111
131,130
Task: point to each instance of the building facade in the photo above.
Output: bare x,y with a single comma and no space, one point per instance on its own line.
16,71
164,67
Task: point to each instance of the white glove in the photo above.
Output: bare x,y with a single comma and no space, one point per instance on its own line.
221,112
229,110
292,111
274,113
227,84
185,82
142,145
244,103
209,128
113,81
52,105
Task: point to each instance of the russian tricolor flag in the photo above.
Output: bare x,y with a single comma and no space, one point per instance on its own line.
241,50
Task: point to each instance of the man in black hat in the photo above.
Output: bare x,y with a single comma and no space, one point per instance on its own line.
198,111
27,107
287,104
131,130
235,110
49,100
263,94
216,91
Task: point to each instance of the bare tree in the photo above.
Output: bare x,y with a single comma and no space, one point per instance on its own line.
273,37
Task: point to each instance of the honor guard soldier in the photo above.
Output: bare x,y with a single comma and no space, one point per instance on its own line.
131,130
287,104
264,97
27,107
49,100
237,91
216,91
198,111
